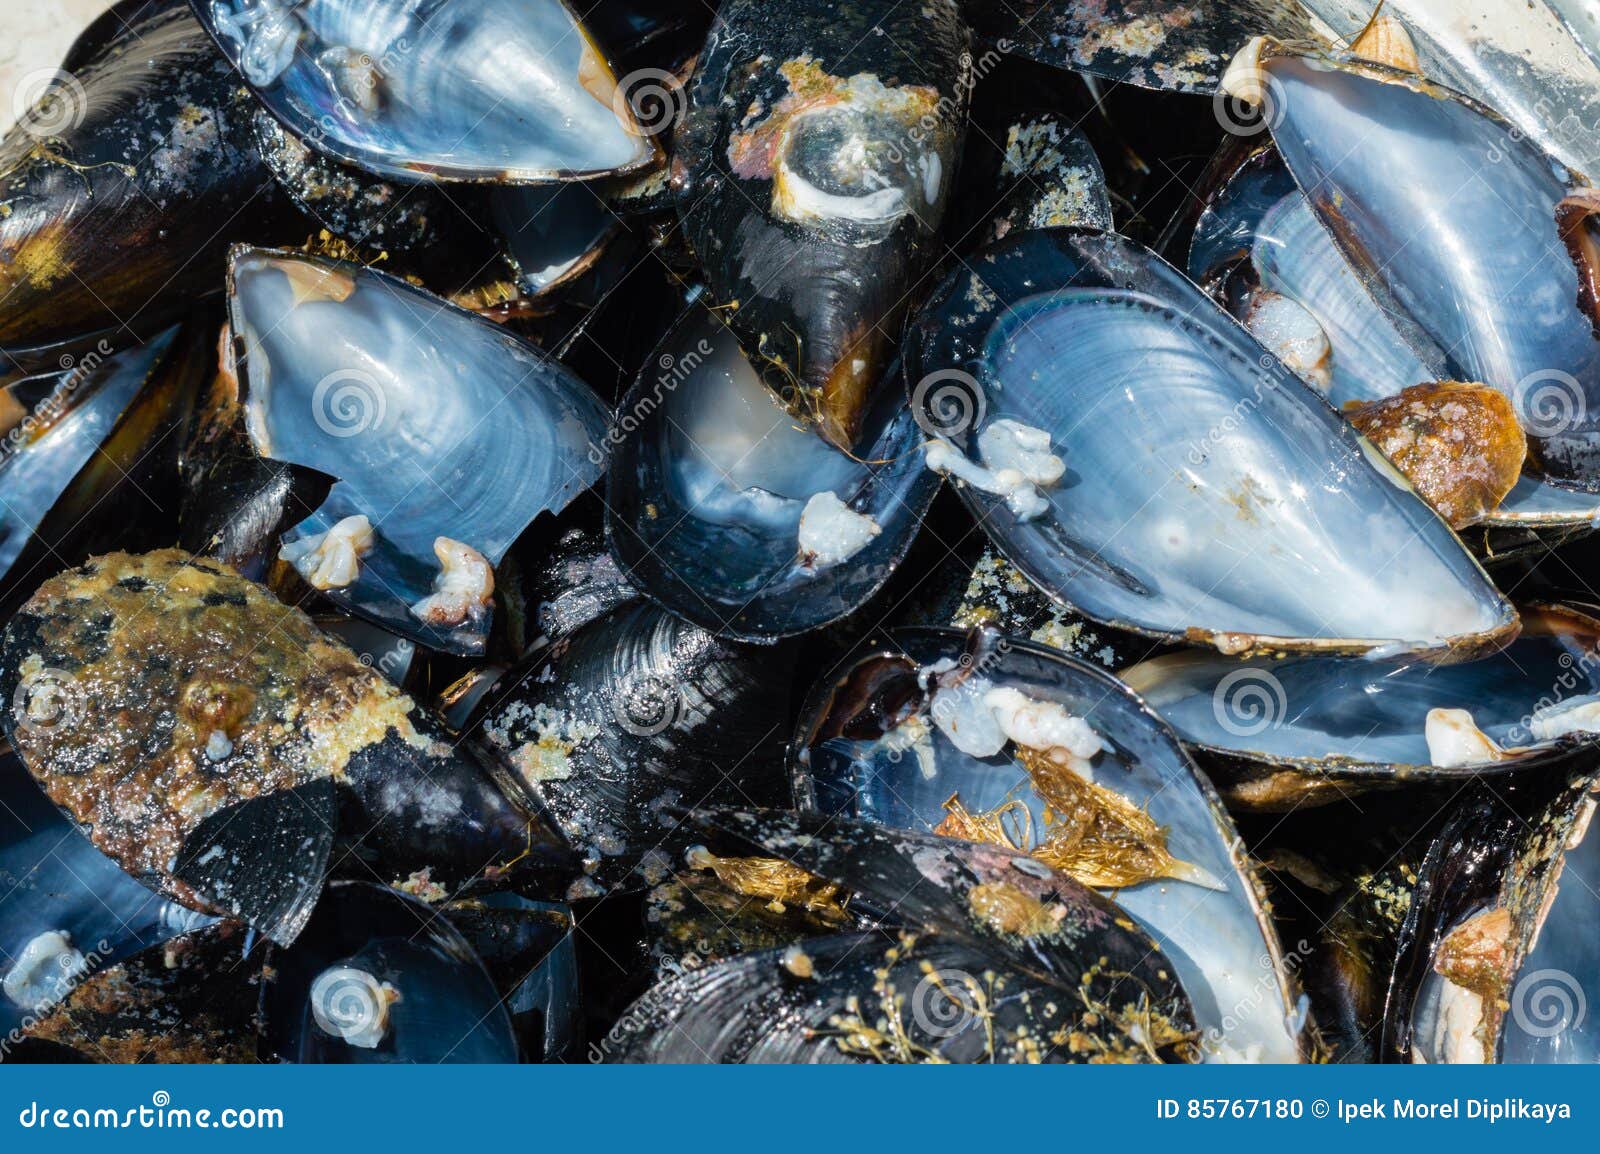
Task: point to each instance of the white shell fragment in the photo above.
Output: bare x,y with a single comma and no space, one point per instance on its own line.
831,531
1579,715
463,588
45,971
353,1005
1017,463
1454,739
1292,334
331,560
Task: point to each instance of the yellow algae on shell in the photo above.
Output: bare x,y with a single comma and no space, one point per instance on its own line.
179,688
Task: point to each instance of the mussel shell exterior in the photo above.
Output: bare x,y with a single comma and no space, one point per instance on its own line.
1281,734
57,881
188,1000
1505,853
1056,179
208,738
437,422
1203,468
448,1009
1149,43
123,188
865,997
1215,940
482,90
816,294
1071,937
635,711
377,214
707,480
527,947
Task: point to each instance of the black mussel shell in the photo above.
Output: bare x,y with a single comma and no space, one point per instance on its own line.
1281,734
381,977
126,182
208,737
528,948
711,484
812,174
637,711
988,938
100,432
1498,960
189,1000
69,910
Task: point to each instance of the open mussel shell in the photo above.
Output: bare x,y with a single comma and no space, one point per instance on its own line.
212,742
709,478
437,423
988,937
527,946
380,977
1520,318
552,234
101,432
190,999
637,711
1283,733
496,90
1499,960
124,184
1258,233
1209,494
812,172
69,910
869,746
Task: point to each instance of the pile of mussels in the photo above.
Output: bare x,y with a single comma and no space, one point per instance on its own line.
823,531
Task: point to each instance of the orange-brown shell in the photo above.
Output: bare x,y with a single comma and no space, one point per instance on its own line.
1458,443
127,666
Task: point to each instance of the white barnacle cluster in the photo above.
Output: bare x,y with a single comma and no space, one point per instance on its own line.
463,589
1016,464
331,560
831,531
